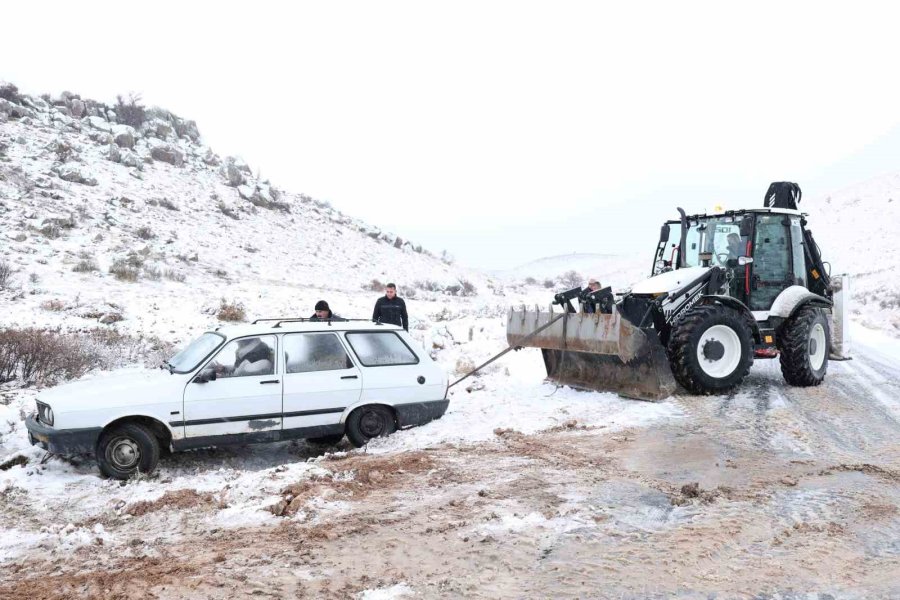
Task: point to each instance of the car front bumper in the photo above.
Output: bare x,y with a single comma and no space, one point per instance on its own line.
62,441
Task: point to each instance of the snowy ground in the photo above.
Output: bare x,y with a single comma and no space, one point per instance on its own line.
769,492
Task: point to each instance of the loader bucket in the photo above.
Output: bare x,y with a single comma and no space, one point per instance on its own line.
602,352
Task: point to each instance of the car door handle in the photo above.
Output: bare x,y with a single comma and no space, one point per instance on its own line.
349,377
269,381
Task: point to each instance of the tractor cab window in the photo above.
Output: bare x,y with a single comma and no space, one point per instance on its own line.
719,236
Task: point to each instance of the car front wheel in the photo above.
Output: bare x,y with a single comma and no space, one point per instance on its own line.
367,422
126,449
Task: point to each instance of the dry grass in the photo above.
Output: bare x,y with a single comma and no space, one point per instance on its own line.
54,305
123,271
231,311
173,275
6,272
86,266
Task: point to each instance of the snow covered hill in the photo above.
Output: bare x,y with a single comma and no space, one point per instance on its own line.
147,224
618,271
858,230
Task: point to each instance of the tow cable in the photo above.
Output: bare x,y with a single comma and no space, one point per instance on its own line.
509,348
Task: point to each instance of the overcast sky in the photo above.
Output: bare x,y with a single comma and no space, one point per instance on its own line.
502,132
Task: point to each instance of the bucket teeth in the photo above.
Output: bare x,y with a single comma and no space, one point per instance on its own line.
605,353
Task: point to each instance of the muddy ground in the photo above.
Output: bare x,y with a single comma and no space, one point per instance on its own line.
771,492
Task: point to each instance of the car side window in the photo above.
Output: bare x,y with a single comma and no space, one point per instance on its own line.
246,357
381,348
307,352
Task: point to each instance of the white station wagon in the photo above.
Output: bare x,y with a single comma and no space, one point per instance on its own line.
276,379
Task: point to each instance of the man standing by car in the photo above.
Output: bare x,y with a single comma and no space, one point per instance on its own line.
391,309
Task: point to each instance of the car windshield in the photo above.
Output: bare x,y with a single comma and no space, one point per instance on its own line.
720,236
189,357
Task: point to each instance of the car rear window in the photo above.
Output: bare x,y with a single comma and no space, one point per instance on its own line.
307,352
381,348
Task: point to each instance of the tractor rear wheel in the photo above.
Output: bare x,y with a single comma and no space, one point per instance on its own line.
710,349
804,343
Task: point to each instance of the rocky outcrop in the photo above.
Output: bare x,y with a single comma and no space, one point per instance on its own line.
76,174
168,154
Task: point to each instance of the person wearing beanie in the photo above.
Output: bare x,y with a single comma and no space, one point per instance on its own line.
323,313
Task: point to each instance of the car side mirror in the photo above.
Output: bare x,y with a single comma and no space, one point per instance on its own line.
745,260
205,376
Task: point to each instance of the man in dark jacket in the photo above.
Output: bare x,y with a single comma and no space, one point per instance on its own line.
323,313
391,309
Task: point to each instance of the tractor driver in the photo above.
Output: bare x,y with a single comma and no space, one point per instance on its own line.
734,246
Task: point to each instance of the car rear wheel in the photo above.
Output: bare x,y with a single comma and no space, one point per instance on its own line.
367,422
127,449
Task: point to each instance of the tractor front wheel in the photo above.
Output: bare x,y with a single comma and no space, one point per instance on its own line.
710,349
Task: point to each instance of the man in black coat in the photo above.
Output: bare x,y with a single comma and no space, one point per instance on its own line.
391,309
323,313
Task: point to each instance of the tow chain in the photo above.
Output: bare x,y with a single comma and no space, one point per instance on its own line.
508,348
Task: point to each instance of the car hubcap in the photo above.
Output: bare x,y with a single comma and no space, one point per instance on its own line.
371,424
123,453
817,346
719,351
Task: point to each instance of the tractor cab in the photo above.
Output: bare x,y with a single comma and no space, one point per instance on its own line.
761,251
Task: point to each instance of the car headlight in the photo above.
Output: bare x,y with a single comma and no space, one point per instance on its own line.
45,413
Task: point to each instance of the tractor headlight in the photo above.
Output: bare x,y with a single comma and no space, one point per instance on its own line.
45,413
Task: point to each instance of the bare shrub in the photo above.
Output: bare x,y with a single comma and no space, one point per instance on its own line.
39,355
429,286
130,111
46,356
168,204
86,265
374,286
571,279
468,288
231,311
221,273
145,233
549,283
63,149
188,259
134,259
34,278
50,231
531,281
174,275
6,272
123,272
152,273
54,305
